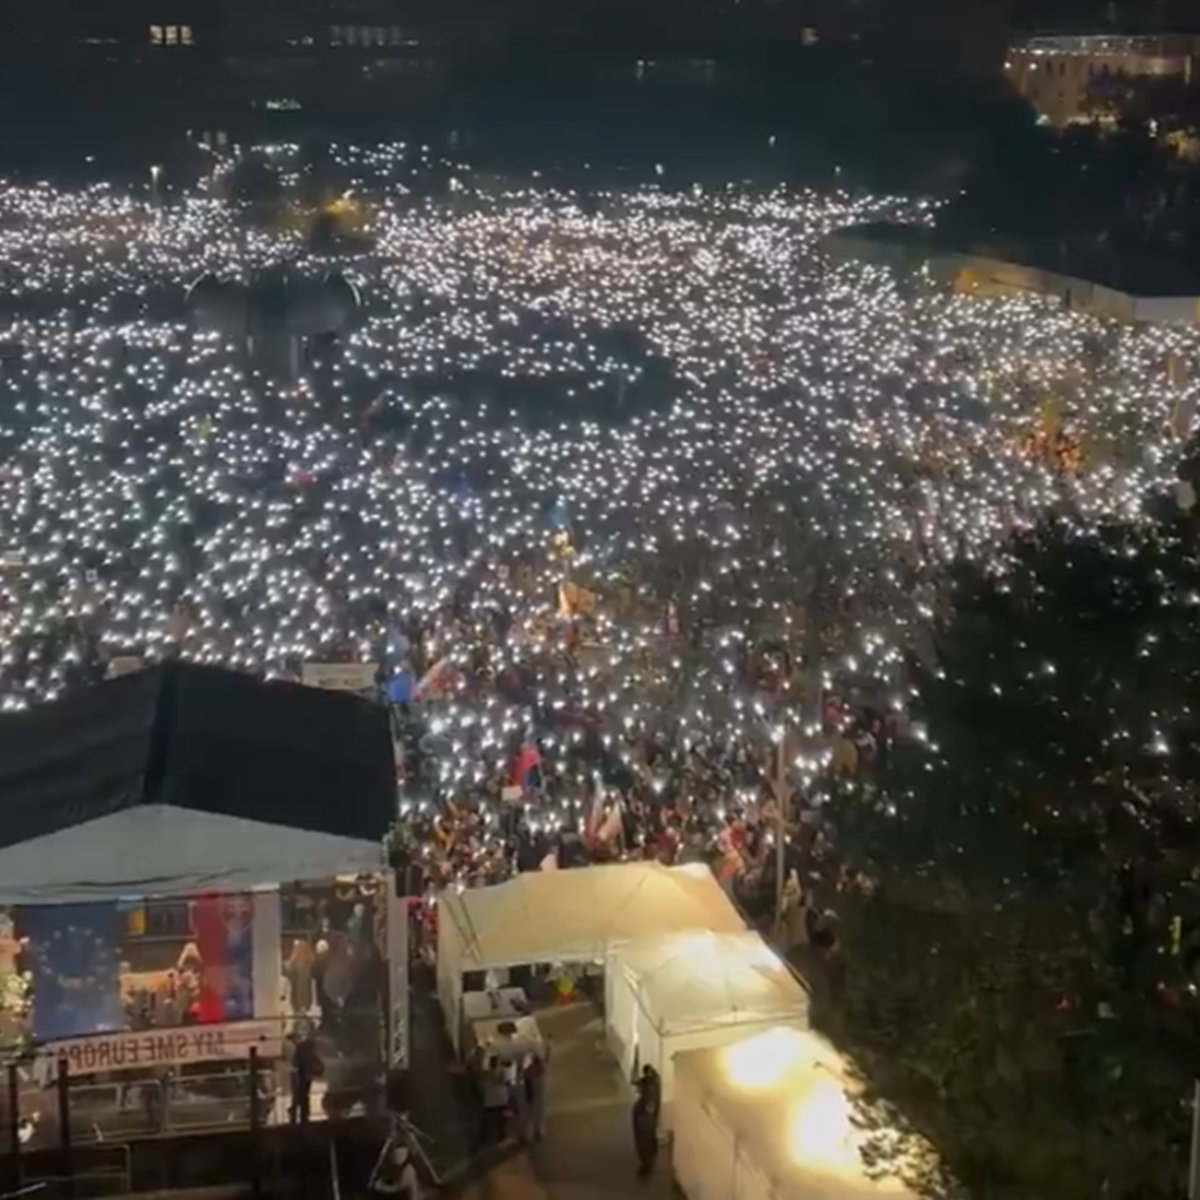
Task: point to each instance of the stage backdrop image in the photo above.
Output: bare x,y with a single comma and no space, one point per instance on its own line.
189,961
14,986
72,955
224,929
334,973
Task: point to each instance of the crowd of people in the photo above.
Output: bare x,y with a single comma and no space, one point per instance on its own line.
634,501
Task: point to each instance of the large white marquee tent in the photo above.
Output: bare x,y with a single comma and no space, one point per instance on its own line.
690,990
771,1118
569,917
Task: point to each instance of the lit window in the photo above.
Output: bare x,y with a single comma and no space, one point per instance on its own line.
172,32
185,34
156,35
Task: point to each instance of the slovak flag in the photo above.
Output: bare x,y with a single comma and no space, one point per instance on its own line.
613,824
224,933
591,824
528,760
441,677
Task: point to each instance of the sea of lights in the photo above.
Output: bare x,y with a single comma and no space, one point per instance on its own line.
607,443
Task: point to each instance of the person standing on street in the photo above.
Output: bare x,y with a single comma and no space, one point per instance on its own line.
534,1083
495,1099
645,1132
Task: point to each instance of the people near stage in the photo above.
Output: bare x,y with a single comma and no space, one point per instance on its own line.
306,1067
298,974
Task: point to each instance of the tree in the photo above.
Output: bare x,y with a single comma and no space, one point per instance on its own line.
1022,889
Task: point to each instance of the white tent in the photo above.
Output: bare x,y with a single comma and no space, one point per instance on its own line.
690,990
158,849
771,1118
570,916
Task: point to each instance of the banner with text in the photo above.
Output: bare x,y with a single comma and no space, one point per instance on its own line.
340,677
163,1048
125,664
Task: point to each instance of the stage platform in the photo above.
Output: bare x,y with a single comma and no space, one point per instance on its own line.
276,1161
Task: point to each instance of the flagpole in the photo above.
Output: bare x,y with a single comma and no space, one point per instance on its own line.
1194,1164
780,770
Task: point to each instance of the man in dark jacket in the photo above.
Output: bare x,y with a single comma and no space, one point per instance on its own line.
645,1132
306,1066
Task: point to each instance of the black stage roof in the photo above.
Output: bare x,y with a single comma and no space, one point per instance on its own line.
184,777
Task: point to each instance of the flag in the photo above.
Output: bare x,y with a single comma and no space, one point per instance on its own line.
439,678
76,969
591,824
575,601
400,688
528,760
224,934
611,829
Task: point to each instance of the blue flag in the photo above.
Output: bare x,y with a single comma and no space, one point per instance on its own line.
401,687
75,963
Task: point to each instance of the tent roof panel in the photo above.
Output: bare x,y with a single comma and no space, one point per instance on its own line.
577,915
159,850
697,980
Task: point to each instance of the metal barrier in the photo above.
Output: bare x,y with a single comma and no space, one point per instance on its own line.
218,1100
87,1183
38,1114
129,1110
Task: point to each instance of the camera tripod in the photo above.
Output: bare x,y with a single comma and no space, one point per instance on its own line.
405,1133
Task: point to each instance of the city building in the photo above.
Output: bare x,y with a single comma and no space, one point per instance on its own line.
214,29
1064,77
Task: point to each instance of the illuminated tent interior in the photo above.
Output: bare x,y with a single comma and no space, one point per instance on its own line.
570,917
183,778
771,1118
692,990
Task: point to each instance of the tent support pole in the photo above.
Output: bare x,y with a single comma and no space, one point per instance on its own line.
14,1127
64,1127
255,1127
